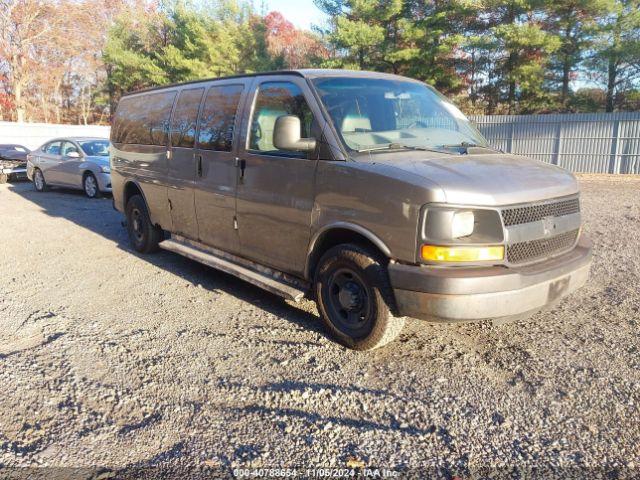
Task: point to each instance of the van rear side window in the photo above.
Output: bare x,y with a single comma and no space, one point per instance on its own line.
218,118
143,119
185,116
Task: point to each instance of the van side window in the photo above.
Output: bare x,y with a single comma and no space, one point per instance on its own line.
143,119
218,118
185,117
274,100
121,119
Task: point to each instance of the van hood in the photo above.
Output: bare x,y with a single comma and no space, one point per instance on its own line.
484,180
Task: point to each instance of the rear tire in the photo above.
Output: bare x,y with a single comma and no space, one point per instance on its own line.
39,183
91,186
355,299
143,235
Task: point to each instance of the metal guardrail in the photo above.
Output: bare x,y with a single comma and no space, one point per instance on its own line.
589,143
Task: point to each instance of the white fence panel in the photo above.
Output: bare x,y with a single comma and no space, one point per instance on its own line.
590,142
33,135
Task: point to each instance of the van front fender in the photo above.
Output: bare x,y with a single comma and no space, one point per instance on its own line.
358,231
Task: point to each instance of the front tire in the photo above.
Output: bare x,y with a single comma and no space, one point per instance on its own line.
355,299
143,235
91,186
39,183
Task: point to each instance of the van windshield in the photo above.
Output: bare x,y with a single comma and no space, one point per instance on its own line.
380,113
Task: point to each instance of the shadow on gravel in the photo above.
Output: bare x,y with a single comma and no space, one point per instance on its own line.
98,216
315,418
291,386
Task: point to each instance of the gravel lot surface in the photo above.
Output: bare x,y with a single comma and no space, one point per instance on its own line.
112,359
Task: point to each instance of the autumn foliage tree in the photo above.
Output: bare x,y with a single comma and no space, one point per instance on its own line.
24,26
69,61
291,47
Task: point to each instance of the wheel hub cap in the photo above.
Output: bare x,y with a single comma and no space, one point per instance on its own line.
350,296
136,224
90,186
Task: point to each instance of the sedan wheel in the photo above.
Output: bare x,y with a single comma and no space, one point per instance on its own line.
91,186
38,181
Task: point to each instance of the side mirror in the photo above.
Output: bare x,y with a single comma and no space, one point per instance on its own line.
73,154
286,135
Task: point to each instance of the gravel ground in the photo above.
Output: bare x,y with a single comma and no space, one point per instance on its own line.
114,360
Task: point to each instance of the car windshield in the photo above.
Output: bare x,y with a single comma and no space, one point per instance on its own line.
381,113
97,148
16,148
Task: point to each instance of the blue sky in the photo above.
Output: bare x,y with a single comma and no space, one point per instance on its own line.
302,13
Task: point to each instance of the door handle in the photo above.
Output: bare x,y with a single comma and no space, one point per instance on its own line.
243,165
199,165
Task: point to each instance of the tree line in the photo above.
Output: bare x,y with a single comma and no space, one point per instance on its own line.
70,60
498,56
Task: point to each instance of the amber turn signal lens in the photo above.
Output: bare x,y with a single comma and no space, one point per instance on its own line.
435,253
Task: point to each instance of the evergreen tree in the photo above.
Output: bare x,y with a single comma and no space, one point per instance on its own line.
574,23
616,54
516,50
438,32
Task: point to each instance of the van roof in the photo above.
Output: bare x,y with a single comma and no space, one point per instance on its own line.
305,73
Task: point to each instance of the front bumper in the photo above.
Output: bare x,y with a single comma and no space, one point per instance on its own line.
19,172
104,182
464,294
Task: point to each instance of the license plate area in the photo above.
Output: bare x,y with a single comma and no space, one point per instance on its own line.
558,288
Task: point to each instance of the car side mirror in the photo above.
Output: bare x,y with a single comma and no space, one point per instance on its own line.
286,135
73,154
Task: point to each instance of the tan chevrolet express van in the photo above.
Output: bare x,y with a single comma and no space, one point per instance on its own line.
370,193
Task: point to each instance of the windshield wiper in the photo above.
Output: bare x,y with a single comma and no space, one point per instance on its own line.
399,146
468,145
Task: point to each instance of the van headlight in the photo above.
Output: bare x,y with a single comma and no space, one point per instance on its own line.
460,234
462,224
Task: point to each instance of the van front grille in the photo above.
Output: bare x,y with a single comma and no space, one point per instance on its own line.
536,212
533,250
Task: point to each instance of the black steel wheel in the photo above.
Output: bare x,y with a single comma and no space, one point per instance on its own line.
348,301
354,297
143,235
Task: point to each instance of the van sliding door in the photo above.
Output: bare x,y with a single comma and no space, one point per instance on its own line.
216,169
182,163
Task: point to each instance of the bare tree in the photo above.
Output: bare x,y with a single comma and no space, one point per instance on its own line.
23,25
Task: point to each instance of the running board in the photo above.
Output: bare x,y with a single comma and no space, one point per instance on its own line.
263,280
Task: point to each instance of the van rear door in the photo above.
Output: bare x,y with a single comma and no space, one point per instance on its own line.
182,162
